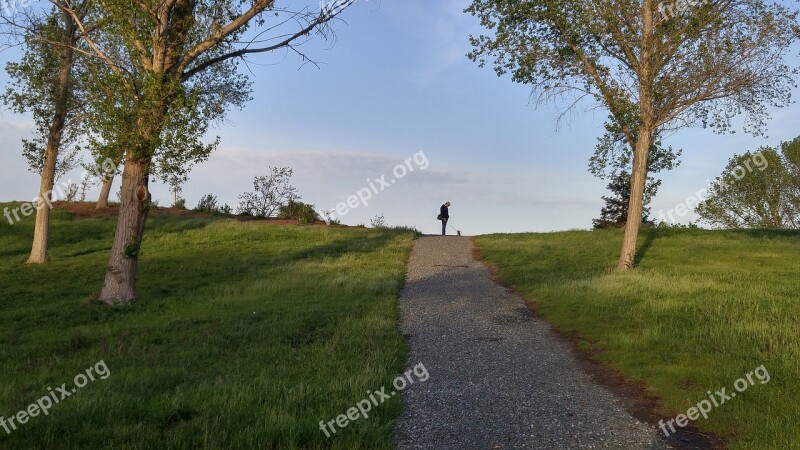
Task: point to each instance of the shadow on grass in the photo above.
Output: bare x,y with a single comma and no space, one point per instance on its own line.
218,323
652,234
67,229
164,276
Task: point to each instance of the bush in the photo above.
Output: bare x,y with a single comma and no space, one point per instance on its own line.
207,204
331,219
296,210
379,222
180,204
679,226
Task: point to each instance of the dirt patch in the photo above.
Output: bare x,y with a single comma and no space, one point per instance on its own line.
636,397
87,210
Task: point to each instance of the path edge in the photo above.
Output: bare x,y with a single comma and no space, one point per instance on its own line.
636,397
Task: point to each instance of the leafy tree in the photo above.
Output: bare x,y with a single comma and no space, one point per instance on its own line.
35,152
698,66
791,160
756,190
612,161
174,70
615,213
270,193
45,83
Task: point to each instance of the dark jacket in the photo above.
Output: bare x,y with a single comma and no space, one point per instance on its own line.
445,211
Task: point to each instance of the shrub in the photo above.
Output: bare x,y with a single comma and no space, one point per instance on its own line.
331,219
379,222
207,204
297,210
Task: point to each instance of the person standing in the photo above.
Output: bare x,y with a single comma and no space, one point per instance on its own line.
445,215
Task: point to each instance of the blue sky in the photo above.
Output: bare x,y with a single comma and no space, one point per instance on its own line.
395,82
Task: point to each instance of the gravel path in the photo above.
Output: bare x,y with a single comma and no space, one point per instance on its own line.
499,378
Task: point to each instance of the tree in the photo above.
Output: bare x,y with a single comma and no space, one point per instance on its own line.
71,192
699,65
174,66
86,182
756,190
791,160
615,213
176,190
35,152
43,82
106,179
177,156
612,161
270,193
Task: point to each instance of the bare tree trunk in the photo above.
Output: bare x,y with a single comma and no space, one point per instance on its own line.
40,231
118,287
636,203
55,132
105,191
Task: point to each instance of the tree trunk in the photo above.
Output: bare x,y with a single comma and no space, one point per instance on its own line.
641,151
118,287
55,132
636,203
40,231
105,191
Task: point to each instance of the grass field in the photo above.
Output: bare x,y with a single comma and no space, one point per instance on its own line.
703,309
245,335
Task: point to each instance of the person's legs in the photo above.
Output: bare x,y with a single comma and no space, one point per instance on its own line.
444,227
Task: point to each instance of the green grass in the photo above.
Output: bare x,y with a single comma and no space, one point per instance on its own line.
245,335
702,309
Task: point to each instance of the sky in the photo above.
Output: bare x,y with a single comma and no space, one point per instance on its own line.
395,83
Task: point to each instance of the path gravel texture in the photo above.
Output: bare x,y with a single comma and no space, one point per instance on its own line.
499,377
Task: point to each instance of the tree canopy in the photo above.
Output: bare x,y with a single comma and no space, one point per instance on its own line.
756,190
655,71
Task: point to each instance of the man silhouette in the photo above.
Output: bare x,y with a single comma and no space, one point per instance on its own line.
445,214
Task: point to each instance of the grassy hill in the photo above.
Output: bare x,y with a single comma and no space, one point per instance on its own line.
245,335
703,309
